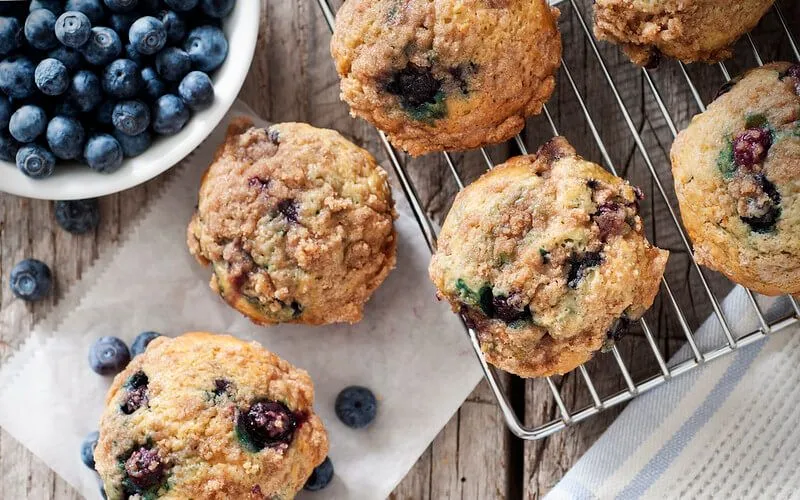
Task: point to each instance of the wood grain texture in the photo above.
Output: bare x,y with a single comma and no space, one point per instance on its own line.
293,79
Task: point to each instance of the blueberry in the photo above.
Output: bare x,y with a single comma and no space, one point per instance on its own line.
174,24
78,216
181,5
121,79
170,114
108,356
52,77
53,6
148,35
27,123
103,153
70,58
133,145
31,280
141,341
17,77
131,117
65,136
137,393
196,90
143,469
751,147
173,63
265,424
104,46
104,113
207,47
10,35
5,111
40,29
415,86
288,208
121,5
579,265
321,476
87,449
356,406
217,8
154,87
73,29
35,161
122,22
8,147
92,8
508,312
85,91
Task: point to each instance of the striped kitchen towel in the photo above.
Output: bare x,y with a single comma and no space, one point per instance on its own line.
729,429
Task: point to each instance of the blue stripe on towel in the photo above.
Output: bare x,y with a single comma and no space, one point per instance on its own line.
650,473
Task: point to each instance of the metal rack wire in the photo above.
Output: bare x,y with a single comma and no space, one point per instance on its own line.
665,371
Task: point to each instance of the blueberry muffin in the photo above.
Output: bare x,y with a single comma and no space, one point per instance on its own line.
689,30
737,177
449,74
545,257
208,416
296,222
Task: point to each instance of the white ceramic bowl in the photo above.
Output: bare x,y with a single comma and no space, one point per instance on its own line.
74,181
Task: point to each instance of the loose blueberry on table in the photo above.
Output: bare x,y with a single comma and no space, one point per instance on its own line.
93,80
321,476
141,342
87,449
108,356
356,406
31,280
77,216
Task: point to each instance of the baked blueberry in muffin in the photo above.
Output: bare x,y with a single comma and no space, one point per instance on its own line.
688,30
296,222
736,170
208,417
545,257
447,74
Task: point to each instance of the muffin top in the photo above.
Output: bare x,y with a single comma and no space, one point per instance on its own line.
689,30
545,257
297,223
737,177
446,74
212,417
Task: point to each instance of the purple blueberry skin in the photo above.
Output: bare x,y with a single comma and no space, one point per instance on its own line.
148,35
751,147
85,91
87,449
181,5
78,216
17,77
108,356
207,47
52,77
173,64
31,280
10,35
73,29
35,161
196,90
121,79
131,117
321,476
65,137
103,153
92,8
27,123
133,145
356,406
141,342
174,24
40,29
8,147
104,46
170,115
217,8
121,5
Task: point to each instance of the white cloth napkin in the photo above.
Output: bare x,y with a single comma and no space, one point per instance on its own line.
409,349
728,429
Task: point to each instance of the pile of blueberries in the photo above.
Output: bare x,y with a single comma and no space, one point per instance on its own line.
94,80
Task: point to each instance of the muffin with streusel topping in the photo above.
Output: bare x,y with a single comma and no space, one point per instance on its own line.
297,223
545,257
446,74
737,177
208,417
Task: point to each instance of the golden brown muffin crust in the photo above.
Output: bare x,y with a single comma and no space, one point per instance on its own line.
196,386
446,74
543,255
297,223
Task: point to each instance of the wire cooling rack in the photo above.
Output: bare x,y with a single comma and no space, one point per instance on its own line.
728,343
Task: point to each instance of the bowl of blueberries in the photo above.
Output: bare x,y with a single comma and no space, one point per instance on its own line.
97,96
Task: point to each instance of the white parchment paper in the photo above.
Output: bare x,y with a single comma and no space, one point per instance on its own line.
409,349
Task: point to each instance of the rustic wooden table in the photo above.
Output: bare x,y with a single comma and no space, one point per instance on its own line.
293,78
